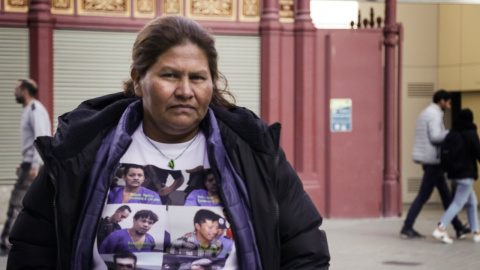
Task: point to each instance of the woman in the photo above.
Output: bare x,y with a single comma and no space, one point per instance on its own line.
174,114
208,195
463,173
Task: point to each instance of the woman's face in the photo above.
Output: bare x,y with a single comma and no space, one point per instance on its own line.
211,184
176,92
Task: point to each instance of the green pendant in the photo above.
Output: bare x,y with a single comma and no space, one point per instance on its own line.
171,164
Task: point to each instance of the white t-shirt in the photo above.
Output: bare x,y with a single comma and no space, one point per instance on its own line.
169,237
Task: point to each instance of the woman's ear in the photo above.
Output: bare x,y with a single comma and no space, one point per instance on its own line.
136,83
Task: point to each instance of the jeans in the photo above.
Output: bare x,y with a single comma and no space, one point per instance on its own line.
464,195
433,176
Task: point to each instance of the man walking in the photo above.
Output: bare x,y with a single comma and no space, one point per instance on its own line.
429,134
35,122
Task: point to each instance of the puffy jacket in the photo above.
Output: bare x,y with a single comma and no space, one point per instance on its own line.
429,134
284,220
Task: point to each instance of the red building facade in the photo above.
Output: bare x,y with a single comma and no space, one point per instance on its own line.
304,70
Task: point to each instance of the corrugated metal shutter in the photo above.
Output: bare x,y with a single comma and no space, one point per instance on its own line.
88,64
239,61
14,65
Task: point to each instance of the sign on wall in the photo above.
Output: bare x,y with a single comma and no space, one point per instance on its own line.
340,114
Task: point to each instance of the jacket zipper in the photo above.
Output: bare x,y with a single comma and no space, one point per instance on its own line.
55,212
217,175
277,210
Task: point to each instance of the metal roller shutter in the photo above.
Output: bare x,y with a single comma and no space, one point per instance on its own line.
88,64
239,61
14,65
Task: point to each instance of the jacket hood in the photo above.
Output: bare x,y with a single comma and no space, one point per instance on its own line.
249,127
78,127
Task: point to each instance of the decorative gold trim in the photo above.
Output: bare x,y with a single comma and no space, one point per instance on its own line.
172,6
225,10
250,10
62,7
108,8
287,11
144,8
16,5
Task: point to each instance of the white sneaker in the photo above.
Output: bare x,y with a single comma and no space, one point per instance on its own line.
443,236
476,237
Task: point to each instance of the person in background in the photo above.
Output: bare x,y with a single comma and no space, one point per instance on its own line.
429,134
463,173
177,98
35,122
227,242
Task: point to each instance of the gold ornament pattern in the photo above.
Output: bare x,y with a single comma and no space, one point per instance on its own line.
61,4
16,5
251,8
212,7
171,6
144,6
105,5
62,7
287,11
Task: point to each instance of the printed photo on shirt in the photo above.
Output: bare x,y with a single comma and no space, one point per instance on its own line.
145,229
127,186
202,234
134,261
149,184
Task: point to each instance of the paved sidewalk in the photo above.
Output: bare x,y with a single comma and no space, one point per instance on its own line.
375,244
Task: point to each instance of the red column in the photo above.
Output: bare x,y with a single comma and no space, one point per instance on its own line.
391,175
40,23
307,111
270,32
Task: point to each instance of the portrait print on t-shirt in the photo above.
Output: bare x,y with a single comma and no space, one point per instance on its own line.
145,181
142,231
128,186
199,240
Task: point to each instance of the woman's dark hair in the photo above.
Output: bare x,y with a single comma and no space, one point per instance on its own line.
162,34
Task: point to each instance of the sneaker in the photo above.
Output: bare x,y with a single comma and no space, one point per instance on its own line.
476,237
442,236
462,233
410,233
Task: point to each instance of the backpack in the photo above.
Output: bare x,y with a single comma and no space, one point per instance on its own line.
451,150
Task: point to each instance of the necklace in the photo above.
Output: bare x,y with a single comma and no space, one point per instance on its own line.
171,161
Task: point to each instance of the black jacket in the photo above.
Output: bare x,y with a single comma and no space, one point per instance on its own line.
466,163
284,218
